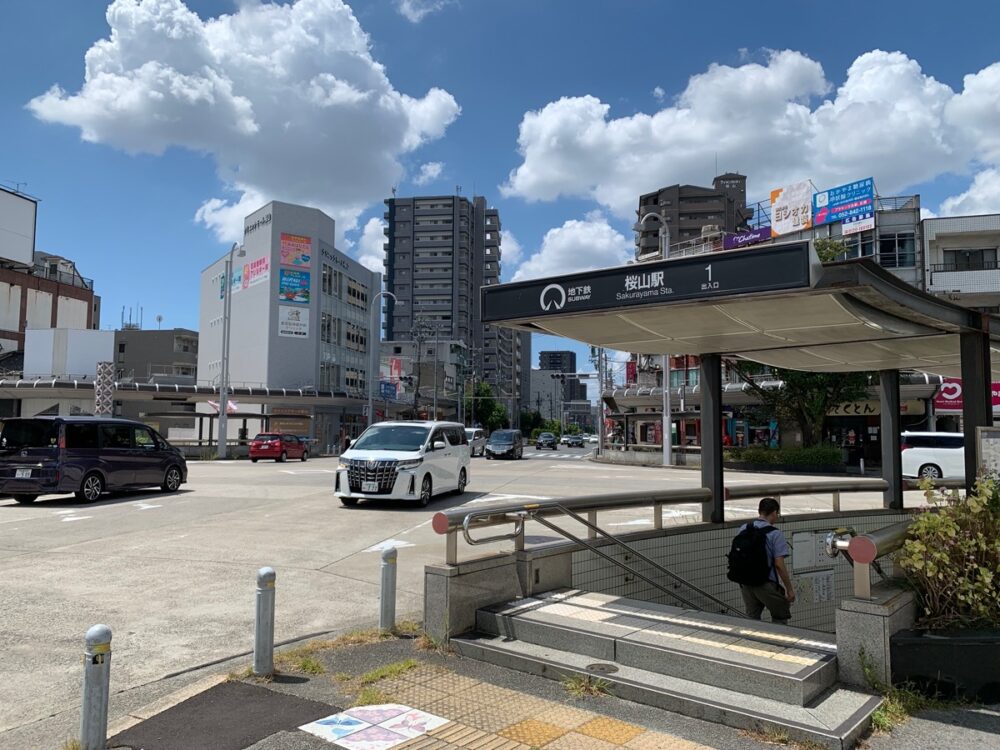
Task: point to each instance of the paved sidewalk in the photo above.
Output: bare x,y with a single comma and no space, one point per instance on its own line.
425,700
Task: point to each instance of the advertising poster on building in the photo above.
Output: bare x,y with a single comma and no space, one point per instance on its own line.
791,208
293,322
853,205
391,369
252,273
949,398
742,239
296,250
293,286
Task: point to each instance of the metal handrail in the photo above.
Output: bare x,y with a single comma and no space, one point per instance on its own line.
640,555
864,550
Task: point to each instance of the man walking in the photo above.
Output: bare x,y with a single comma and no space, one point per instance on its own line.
757,563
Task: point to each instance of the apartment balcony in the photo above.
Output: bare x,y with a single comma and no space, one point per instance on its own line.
979,278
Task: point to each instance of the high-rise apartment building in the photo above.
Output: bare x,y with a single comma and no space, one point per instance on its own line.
440,251
688,210
565,362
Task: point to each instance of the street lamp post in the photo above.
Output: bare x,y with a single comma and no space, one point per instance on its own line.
374,344
663,237
227,309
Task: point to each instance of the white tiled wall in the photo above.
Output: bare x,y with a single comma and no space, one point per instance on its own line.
698,555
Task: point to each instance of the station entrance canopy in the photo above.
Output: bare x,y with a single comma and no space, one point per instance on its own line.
776,305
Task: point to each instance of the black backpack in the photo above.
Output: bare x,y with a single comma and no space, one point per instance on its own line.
748,563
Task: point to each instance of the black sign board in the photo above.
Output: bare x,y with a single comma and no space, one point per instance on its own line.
696,277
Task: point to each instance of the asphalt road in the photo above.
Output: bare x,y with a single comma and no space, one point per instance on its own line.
174,575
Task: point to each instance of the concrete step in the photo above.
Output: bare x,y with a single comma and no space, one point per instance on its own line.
834,720
764,660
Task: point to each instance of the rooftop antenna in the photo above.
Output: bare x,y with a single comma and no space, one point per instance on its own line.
393,191
159,319
458,189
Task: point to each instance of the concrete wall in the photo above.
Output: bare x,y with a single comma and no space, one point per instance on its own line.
71,313
67,352
10,306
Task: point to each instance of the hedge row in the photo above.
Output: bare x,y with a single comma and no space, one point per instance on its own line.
823,455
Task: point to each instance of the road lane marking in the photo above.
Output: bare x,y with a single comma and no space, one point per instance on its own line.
145,506
389,543
75,518
308,471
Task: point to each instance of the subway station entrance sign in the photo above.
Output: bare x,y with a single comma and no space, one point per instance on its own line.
779,267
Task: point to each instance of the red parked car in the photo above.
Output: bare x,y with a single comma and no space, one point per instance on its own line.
278,446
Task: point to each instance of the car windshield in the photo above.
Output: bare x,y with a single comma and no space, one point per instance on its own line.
502,436
546,435
392,438
28,433
267,436
470,434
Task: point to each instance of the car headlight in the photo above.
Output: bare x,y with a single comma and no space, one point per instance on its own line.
410,464
342,466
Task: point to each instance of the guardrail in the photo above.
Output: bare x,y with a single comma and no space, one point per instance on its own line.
450,523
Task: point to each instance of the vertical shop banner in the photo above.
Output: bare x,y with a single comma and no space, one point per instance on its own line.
296,250
391,369
791,208
293,322
252,273
853,205
293,286
631,374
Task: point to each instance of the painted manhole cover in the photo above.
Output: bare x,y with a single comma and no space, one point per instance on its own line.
601,668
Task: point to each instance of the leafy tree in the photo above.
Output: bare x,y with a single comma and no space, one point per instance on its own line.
830,250
553,426
573,429
485,409
806,397
530,420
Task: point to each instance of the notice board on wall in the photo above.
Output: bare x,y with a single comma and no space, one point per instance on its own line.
988,449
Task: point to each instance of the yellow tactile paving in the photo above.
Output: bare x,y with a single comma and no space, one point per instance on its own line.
533,732
450,684
491,718
577,741
415,696
564,716
610,730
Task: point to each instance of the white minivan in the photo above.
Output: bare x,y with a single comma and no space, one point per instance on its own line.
404,461
933,455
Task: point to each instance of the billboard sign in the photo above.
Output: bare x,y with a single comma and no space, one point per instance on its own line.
736,241
387,390
293,322
853,205
293,286
296,250
949,397
791,208
17,227
391,369
696,277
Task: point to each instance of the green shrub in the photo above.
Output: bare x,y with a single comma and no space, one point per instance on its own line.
821,455
952,558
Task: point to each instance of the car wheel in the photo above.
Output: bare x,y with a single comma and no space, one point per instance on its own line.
26,499
350,502
929,471
305,456
426,491
171,480
538,447
91,489
463,479
283,457
253,460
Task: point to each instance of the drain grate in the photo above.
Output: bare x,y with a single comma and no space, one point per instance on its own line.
602,668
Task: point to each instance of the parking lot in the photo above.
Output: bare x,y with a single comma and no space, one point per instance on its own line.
174,575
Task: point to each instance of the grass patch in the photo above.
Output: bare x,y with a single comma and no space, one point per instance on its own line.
371,696
343,677
583,686
408,629
301,658
389,670
425,642
900,702
72,745
767,736
240,674
310,665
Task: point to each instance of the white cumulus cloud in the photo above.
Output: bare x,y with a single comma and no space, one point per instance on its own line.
416,10
778,122
428,172
371,246
577,246
511,251
659,93
982,197
286,98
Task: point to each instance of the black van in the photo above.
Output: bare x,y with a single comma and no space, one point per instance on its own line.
84,455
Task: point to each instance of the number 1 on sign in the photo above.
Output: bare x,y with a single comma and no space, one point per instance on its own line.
709,269
710,284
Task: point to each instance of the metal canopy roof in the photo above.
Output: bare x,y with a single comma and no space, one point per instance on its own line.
776,305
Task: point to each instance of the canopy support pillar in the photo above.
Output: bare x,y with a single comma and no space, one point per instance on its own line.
977,398
711,437
892,463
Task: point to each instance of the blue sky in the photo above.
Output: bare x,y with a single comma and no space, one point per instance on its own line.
560,113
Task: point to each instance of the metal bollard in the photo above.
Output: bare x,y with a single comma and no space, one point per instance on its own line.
387,596
263,644
96,685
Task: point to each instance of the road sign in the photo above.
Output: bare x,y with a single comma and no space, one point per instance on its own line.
387,390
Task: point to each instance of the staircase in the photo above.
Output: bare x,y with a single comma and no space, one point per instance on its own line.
728,670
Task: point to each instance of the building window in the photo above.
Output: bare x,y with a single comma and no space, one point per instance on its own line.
121,348
326,328
897,250
982,259
861,245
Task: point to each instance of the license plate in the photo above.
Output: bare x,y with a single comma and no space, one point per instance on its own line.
369,486
22,474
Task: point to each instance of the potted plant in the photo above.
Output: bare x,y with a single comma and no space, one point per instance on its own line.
951,558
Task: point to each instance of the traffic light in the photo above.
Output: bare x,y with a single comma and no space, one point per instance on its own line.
558,376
